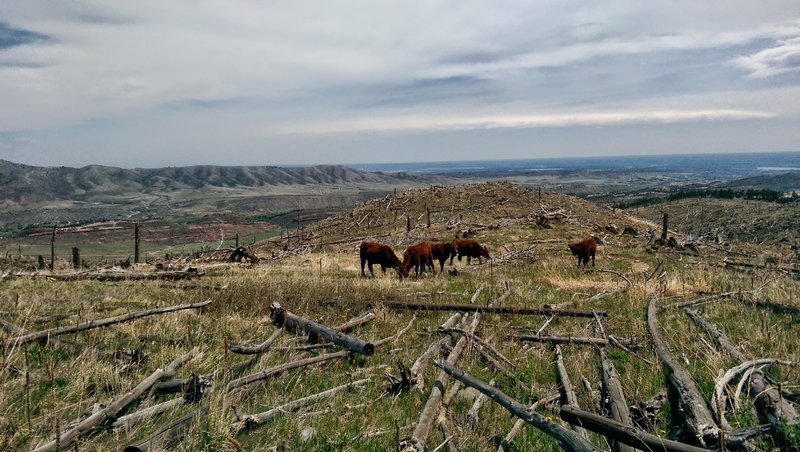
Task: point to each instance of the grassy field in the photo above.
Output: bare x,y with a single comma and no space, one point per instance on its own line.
319,277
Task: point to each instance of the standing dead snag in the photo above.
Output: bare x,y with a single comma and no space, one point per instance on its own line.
286,319
566,438
64,439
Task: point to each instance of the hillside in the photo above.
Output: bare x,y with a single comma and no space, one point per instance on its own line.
314,272
786,182
24,184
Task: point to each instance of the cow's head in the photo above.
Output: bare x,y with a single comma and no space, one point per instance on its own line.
485,252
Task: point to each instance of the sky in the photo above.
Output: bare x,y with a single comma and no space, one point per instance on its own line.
169,83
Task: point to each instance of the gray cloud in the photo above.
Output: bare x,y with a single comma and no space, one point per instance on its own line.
257,82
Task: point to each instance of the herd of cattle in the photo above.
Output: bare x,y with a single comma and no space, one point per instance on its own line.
421,256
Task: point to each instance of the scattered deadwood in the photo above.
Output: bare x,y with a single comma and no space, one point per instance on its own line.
250,421
125,276
277,370
66,438
689,404
248,349
52,332
73,349
614,397
719,400
287,320
716,334
777,307
573,340
506,443
418,368
793,272
398,385
170,435
623,433
568,393
699,300
473,416
129,420
483,346
430,411
397,335
565,438
644,414
488,309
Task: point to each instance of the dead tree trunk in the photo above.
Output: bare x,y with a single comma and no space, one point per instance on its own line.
602,342
135,243
250,421
429,414
277,370
489,309
66,438
53,250
664,226
286,319
568,393
52,332
623,433
614,397
505,445
418,368
566,438
170,435
76,258
243,349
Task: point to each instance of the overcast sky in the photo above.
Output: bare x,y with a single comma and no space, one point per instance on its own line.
164,82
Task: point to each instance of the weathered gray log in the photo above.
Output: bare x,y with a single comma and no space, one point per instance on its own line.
286,319
473,416
717,335
129,420
565,438
614,397
623,433
773,409
52,332
481,344
277,370
246,349
488,309
68,347
690,406
418,368
124,276
719,401
168,436
569,396
397,335
67,437
505,445
250,421
419,438
777,307
602,342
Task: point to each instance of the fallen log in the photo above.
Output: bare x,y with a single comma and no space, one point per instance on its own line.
52,332
430,411
572,340
277,370
473,416
488,309
397,335
776,307
250,421
716,334
124,276
690,407
418,368
247,349
287,320
505,444
719,401
73,349
481,344
170,435
623,433
566,387
565,438
129,420
614,397
66,438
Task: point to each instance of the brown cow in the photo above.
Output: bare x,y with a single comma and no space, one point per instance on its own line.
419,256
584,249
441,252
376,253
470,248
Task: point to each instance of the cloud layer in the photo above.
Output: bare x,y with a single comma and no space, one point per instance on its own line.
259,83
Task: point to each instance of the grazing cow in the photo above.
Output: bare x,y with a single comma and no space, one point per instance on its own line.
376,253
470,248
584,249
419,256
441,252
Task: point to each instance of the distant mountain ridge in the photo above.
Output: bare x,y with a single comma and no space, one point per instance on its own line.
24,184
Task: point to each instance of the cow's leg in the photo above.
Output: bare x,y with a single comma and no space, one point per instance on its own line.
469,260
592,260
364,261
370,269
383,269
